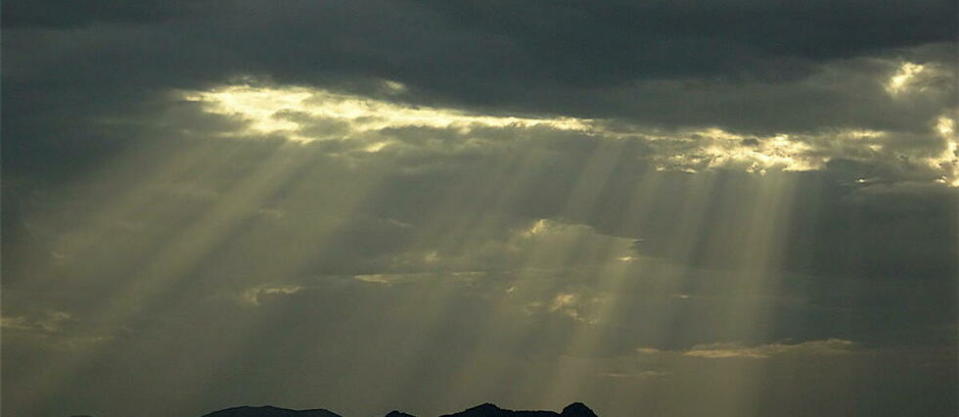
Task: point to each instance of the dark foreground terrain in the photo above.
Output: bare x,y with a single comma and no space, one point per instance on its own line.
485,410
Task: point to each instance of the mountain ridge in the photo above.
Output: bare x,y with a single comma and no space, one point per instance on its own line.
576,409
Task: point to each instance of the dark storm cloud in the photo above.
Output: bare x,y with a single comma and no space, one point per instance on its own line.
597,43
585,43
62,13
534,57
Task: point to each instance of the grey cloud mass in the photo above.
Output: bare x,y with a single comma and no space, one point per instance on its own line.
657,208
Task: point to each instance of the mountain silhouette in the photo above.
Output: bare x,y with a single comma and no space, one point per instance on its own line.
270,411
395,413
484,410
490,410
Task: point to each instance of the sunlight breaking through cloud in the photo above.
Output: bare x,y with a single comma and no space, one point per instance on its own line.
278,109
254,296
732,350
736,350
49,322
904,77
948,160
305,114
718,148
424,206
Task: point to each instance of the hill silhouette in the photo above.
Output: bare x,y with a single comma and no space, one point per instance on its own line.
484,410
270,411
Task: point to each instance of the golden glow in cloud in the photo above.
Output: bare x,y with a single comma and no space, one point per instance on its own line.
903,79
267,109
253,296
740,351
717,148
303,114
948,160
734,350
50,322
290,111
778,150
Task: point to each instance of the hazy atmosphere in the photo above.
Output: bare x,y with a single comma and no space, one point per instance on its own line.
658,208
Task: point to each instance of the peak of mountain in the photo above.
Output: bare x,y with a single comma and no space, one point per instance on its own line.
395,413
486,409
482,410
577,410
270,411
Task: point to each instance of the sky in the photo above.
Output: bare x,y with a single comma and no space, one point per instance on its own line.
658,208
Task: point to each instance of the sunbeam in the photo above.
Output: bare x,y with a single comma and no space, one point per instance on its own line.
668,210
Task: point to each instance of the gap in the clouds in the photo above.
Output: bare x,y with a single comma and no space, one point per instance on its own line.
384,123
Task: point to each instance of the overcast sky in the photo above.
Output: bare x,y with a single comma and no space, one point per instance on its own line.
659,208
